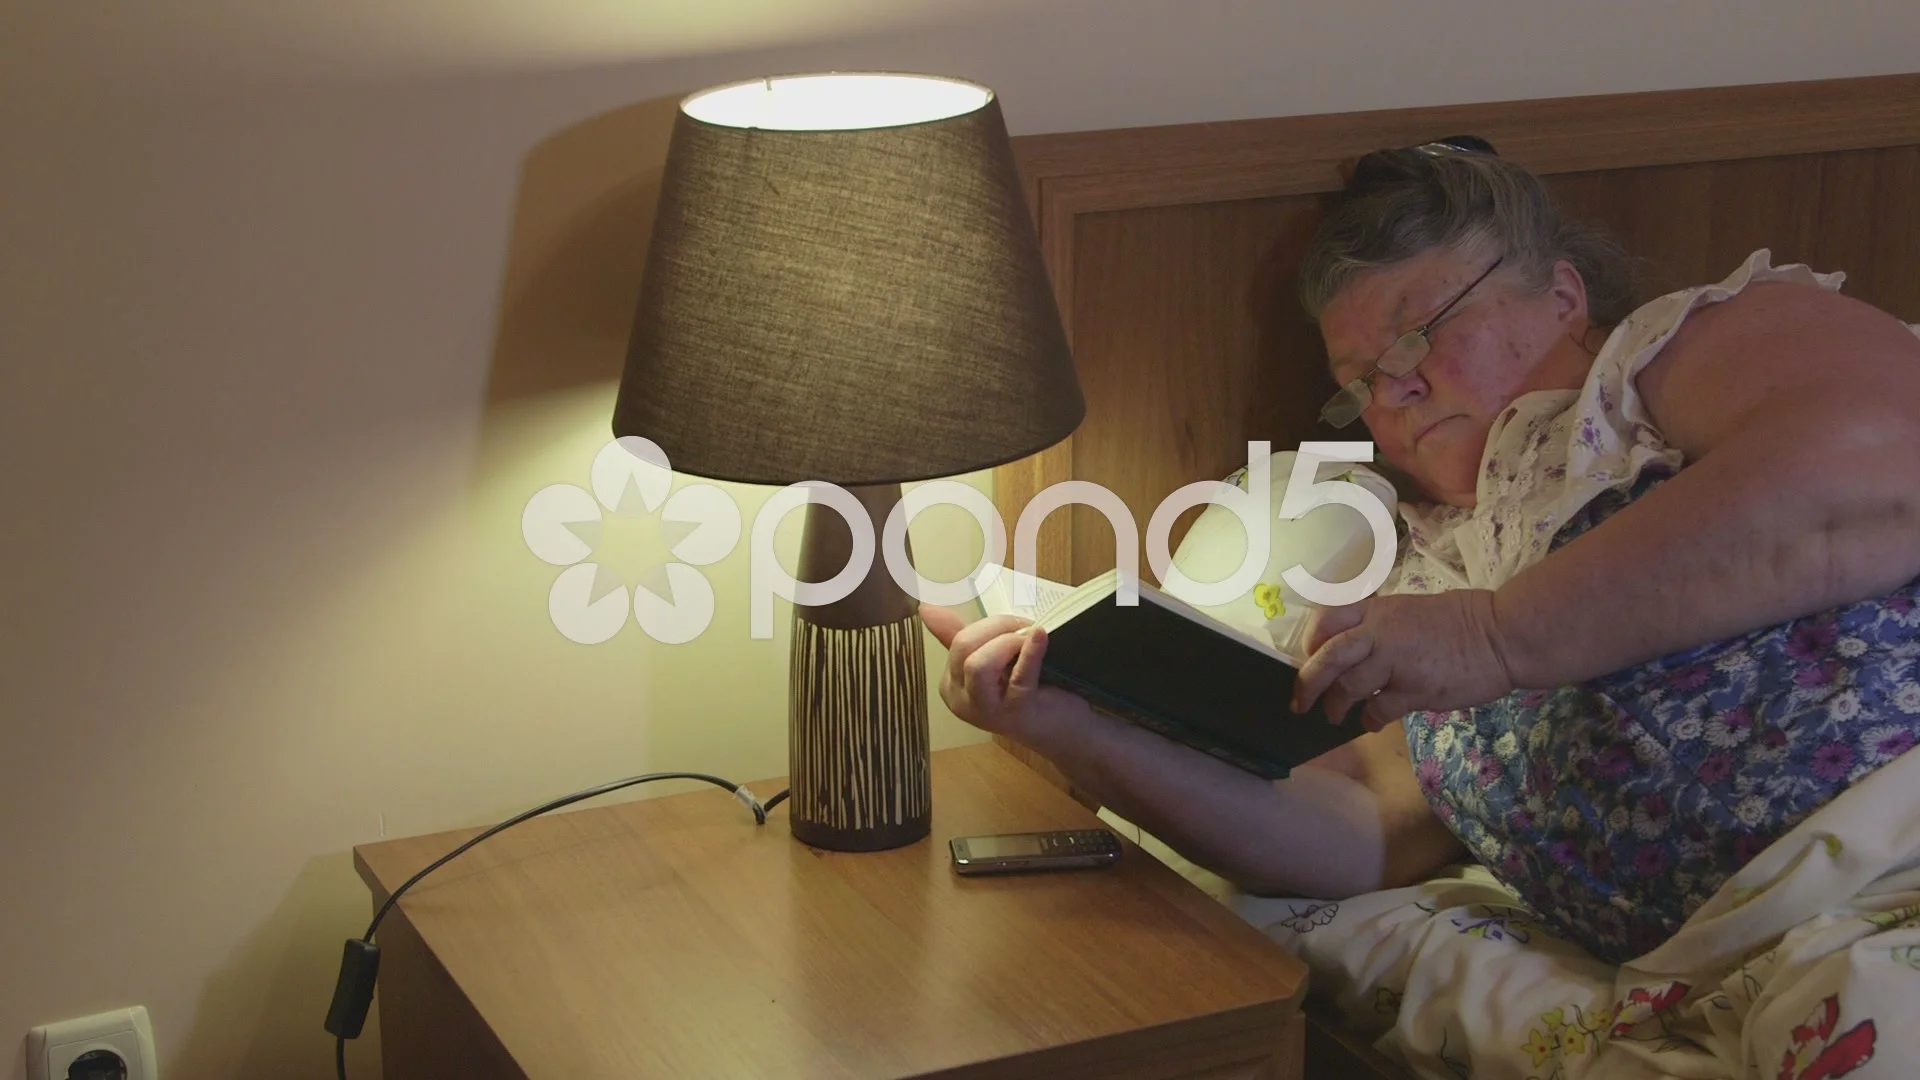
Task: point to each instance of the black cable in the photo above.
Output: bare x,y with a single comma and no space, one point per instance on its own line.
776,800
360,964
759,814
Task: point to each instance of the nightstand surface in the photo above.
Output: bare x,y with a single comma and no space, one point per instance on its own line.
673,937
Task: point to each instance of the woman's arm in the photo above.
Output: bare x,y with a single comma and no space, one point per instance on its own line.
1798,411
1351,821
1799,414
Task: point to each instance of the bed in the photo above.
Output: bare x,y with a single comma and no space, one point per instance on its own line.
1172,250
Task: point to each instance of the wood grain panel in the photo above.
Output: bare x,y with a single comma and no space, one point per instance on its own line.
1048,770
1870,226
1015,484
1337,1052
429,1031
1232,1047
1300,154
1695,223
1857,211
1192,342
673,937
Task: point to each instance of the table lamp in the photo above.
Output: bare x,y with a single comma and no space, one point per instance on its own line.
844,285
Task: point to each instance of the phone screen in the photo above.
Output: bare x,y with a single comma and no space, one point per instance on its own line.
1002,847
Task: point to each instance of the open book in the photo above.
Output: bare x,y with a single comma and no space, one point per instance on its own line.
1168,667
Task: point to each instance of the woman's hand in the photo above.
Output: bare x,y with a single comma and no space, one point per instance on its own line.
992,679
1399,654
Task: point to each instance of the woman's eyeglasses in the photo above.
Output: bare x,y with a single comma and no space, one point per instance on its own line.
1399,360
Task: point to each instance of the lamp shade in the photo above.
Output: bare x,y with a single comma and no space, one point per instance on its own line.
844,284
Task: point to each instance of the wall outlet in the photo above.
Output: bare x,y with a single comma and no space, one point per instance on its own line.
111,1046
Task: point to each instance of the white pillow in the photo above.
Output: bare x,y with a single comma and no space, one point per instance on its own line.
1333,543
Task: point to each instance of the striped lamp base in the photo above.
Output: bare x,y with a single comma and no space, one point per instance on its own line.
857,727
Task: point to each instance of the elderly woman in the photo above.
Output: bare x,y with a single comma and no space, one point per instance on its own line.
1656,600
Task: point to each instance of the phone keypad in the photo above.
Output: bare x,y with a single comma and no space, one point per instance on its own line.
1080,842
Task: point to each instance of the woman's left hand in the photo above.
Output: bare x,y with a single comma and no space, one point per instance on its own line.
1399,654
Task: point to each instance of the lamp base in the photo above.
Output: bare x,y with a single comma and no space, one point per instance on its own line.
860,767
858,721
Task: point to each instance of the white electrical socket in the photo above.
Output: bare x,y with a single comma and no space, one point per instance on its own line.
126,1033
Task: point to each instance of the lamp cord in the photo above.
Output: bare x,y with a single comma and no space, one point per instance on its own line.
360,965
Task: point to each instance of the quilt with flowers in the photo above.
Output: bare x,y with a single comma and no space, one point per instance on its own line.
1805,965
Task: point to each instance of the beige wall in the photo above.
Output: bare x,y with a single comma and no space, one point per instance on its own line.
299,304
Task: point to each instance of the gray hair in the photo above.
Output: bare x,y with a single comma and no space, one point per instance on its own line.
1446,198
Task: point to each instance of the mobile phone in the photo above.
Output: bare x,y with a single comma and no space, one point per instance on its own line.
1008,853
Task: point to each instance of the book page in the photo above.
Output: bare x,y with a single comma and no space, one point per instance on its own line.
1149,594
1002,598
1056,604
1049,593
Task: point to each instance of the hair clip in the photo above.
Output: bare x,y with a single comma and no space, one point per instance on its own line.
1408,163
1457,144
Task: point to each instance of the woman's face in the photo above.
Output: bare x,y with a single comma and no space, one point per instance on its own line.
1499,342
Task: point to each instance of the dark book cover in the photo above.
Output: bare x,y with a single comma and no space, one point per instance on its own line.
1179,675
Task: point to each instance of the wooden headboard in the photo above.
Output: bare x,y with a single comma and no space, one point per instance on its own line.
1173,251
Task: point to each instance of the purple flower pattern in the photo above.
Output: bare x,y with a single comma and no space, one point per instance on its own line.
1622,804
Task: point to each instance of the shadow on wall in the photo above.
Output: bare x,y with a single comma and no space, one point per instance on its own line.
276,985
581,222
581,217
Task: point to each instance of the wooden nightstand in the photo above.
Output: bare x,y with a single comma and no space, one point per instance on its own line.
673,937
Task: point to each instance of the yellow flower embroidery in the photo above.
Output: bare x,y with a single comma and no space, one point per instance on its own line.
1541,1044
1268,597
1575,1040
1565,1036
